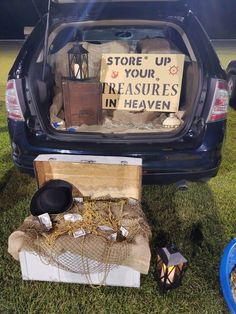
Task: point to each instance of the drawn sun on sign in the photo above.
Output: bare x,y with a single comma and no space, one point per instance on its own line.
173,70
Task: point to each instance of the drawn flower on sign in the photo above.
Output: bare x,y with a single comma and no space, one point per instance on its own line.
173,70
114,74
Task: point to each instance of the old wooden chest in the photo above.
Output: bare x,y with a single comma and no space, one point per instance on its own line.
82,102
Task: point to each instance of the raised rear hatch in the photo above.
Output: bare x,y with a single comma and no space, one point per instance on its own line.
129,39
115,8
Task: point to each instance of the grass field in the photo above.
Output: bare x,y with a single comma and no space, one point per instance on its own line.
172,214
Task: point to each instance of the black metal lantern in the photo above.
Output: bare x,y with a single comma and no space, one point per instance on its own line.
170,267
78,62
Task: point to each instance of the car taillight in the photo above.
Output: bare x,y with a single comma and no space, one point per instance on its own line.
12,102
220,102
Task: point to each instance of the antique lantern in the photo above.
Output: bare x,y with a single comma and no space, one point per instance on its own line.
78,62
170,267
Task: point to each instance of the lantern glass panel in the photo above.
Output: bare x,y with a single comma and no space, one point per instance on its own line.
78,62
166,274
169,276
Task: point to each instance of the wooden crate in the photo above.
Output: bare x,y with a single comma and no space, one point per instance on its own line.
94,176
82,102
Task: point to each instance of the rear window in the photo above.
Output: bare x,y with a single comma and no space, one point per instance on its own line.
108,34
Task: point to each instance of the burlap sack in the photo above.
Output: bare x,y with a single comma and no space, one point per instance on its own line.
135,119
96,51
133,251
156,45
15,243
59,60
56,109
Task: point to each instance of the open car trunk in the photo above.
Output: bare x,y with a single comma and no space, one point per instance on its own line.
140,77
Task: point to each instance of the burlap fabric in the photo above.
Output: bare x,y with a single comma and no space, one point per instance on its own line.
156,45
135,119
59,60
61,248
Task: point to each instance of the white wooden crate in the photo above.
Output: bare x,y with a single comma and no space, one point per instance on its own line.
33,268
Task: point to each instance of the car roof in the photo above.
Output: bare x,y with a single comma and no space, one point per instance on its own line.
88,1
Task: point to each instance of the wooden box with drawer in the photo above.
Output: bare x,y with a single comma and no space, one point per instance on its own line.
82,102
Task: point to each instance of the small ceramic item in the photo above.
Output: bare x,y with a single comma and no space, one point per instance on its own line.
171,122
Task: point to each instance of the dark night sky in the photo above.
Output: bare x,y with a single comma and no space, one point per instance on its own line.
15,15
218,17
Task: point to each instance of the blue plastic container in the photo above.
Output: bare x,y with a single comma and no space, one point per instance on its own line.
228,263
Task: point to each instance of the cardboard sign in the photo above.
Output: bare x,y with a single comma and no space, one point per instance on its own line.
142,82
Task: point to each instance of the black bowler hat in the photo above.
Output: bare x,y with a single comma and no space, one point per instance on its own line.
53,197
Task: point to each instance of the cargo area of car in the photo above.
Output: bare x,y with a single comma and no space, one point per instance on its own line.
118,39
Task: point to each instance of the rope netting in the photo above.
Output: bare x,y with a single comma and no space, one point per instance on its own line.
103,244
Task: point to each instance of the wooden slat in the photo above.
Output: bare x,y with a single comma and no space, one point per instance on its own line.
93,180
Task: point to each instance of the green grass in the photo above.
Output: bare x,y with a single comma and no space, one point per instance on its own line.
7,54
226,54
172,215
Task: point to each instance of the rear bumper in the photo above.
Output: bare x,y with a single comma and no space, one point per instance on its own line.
159,165
167,178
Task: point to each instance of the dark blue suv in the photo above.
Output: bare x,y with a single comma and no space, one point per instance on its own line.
184,144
